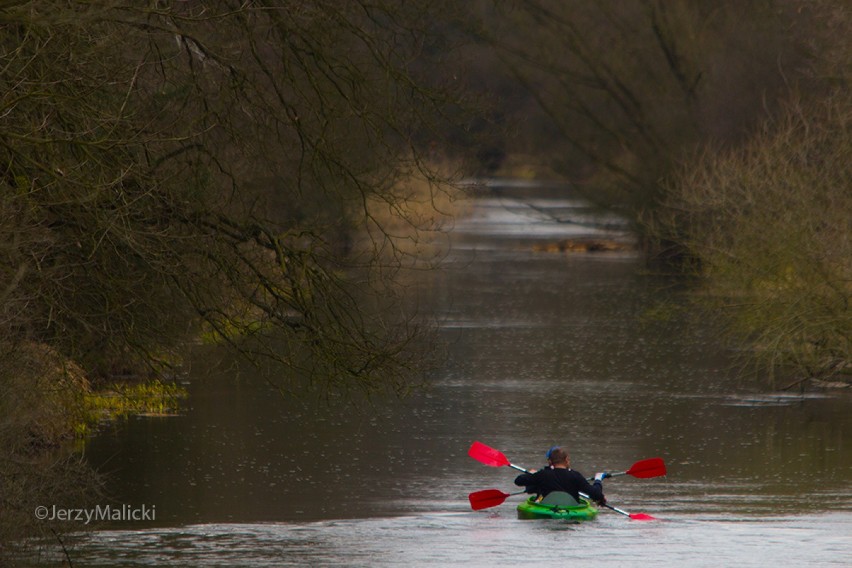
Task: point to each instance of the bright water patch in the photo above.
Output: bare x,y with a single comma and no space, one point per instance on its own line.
513,214
773,399
481,539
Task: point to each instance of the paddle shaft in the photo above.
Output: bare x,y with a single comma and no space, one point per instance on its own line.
610,507
643,469
632,516
616,509
608,475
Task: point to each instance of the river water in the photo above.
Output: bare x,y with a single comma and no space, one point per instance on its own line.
586,350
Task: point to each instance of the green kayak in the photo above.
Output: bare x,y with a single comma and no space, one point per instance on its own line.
557,506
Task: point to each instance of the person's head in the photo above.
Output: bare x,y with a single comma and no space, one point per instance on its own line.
558,456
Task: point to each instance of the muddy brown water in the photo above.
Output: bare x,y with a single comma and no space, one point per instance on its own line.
585,350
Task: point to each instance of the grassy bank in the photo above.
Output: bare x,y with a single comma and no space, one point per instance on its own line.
48,406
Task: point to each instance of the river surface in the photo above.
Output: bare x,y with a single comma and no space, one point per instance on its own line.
586,350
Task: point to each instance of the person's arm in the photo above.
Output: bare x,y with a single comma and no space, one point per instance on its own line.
528,481
593,490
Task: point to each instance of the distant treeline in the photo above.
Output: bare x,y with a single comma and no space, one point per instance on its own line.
720,129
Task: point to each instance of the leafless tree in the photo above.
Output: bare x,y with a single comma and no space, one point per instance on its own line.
167,166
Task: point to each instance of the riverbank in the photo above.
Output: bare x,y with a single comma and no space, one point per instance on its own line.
49,407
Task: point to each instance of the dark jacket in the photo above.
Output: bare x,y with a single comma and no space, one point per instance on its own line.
549,479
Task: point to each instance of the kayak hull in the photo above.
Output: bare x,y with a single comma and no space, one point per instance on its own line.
529,509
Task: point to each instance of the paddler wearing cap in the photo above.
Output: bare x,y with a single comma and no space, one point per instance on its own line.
558,476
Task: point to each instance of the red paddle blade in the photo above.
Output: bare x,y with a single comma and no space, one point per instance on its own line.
651,467
486,498
487,455
642,517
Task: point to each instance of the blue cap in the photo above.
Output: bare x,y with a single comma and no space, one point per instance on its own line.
550,451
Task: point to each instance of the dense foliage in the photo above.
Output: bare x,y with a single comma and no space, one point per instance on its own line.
768,225
171,166
177,170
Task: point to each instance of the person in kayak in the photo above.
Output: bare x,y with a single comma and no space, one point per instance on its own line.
559,476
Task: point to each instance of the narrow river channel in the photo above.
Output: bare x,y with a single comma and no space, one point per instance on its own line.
543,348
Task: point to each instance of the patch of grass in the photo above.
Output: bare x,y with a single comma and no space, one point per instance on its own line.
120,400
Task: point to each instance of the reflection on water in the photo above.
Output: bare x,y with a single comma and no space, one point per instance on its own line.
482,540
542,349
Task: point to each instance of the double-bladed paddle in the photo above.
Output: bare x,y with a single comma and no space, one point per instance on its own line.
643,469
488,498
